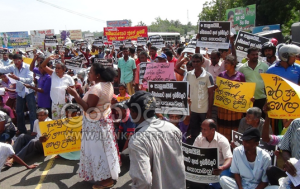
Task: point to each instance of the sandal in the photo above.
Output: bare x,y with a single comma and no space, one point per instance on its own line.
99,186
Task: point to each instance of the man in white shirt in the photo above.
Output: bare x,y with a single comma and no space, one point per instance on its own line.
156,157
210,138
26,145
5,61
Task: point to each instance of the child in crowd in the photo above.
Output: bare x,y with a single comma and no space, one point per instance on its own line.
123,95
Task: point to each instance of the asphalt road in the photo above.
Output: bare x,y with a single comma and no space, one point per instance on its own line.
54,174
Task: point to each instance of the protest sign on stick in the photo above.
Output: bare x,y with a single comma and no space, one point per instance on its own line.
214,35
159,72
283,96
141,41
105,62
200,163
233,95
156,41
171,96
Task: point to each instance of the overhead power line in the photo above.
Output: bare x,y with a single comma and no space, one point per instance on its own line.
73,12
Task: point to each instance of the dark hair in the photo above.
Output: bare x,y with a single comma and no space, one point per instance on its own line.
189,63
251,49
17,56
125,49
149,114
143,53
139,49
153,48
148,44
10,56
231,59
223,50
230,13
255,111
169,53
132,50
212,125
197,56
107,74
63,66
121,48
72,107
179,50
1,99
216,52
122,85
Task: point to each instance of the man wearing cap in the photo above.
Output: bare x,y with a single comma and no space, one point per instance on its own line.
156,157
161,58
249,164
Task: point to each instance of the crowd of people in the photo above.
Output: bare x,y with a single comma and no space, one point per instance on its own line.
114,103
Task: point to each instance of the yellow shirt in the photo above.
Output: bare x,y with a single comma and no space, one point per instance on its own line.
94,53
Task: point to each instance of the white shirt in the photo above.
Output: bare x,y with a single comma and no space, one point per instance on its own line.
6,151
59,86
36,127
219,141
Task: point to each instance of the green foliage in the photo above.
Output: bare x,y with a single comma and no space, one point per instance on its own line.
160,25
284,12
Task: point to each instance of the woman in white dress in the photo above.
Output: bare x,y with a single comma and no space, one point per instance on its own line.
99,160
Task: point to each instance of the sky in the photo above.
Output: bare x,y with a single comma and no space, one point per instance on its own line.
26,15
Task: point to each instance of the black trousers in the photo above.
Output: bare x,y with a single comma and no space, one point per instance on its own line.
260,104
195,126
275,173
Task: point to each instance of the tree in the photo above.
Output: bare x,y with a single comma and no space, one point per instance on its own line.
141,23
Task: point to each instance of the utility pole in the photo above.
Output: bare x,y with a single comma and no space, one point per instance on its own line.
188,16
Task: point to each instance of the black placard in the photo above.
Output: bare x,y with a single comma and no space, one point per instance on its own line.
141,41
105,62
127,43
237,139
171,96
156,41
200,163
50,41
246,40
214,35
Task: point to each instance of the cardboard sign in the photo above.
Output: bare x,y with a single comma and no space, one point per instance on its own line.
242,18
159,72
117,44
72,34
105,62
156,41
246,40
128,43
200,163
123,33
141,41
234,96
191,47
13,40
50,41
3,51
283,96
171,96
64,135
38,36
214,35
270,149
143,67
75,63
117,23
98,43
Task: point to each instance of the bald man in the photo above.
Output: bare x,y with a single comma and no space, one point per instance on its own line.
210,138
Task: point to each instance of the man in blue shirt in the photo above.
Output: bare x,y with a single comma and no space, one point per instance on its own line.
5,61
286,67
21,73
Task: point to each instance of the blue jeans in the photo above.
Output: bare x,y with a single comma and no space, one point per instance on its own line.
31,104
226,172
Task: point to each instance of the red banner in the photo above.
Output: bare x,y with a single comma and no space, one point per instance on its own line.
123,33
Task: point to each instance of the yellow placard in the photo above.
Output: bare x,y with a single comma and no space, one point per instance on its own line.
234,96
27,60
297,61
64,135
283,97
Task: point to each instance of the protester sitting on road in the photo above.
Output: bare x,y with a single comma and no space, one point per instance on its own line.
290,149
155,162
27,145
7,128
126,127
7,152
249,164
210,138
123,95
10,111
253,119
